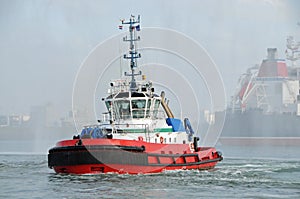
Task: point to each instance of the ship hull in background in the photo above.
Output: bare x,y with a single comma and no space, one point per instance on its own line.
27,133
255,128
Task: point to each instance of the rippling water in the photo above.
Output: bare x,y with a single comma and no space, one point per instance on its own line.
27,176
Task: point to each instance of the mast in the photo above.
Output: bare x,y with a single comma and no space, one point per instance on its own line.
133,55
293,55
292,52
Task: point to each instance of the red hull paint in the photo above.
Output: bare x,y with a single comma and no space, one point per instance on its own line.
125,169
159,157
150,147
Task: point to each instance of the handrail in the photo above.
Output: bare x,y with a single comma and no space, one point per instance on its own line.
153,114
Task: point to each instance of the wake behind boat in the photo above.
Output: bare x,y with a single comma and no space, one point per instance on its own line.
138,134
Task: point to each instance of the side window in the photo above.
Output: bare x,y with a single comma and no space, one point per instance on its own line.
108,105
156,107
148,108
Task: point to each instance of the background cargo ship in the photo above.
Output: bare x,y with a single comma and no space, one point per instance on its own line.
265,108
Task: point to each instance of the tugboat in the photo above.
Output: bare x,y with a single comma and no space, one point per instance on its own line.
139,133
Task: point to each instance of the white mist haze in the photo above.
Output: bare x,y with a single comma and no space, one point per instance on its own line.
44,42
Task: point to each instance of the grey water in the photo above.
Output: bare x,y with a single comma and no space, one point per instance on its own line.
244,176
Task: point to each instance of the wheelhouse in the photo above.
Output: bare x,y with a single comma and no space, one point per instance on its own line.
133,105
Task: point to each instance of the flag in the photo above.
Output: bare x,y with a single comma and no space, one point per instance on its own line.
120,27
138,28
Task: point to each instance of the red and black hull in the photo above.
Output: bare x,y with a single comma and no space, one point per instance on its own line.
89,156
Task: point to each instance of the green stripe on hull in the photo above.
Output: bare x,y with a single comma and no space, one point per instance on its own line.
163,130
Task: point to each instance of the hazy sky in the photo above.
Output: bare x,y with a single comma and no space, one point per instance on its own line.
43,43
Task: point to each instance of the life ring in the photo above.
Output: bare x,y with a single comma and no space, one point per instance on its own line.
192,148
140,138
161,139
78,143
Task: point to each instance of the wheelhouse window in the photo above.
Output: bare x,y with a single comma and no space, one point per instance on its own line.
122,109
138,108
